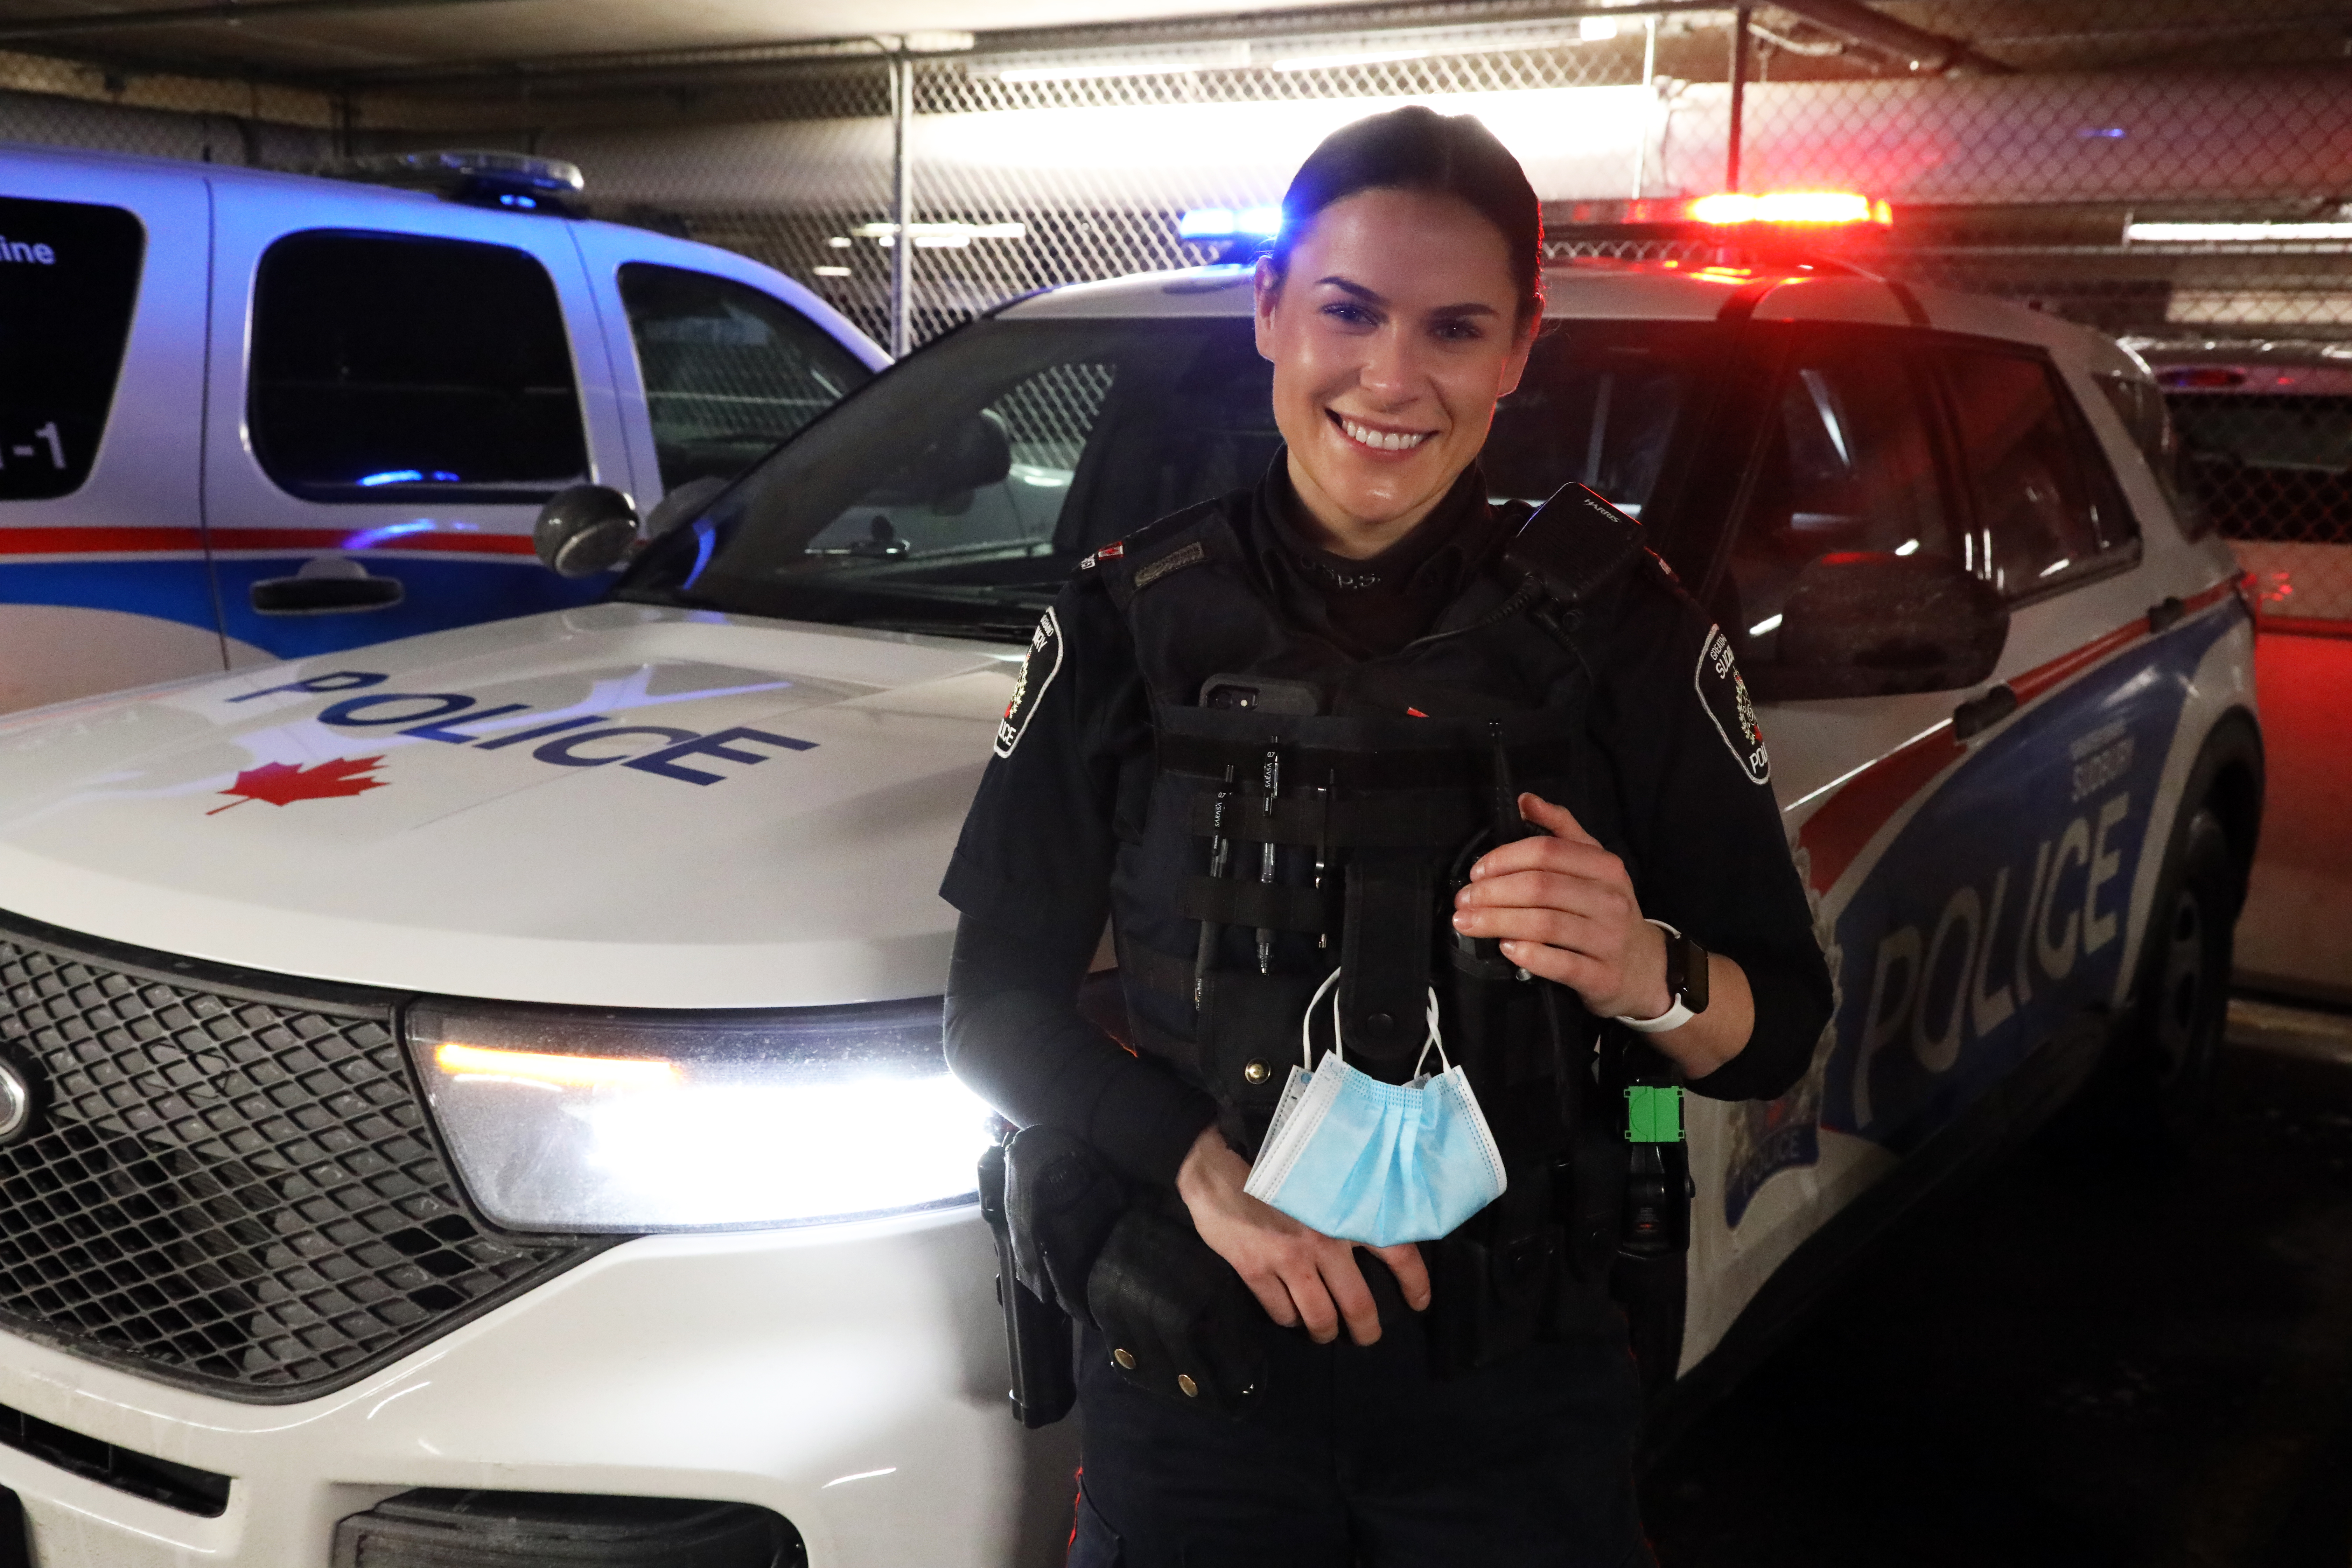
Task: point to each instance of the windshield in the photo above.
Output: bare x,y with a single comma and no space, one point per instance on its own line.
956,493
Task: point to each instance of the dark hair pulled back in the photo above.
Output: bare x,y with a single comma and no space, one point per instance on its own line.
1417,149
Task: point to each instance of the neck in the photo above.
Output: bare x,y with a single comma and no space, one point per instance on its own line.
1329,526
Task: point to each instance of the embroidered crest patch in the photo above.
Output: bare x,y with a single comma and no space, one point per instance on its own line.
1725,697
1037,672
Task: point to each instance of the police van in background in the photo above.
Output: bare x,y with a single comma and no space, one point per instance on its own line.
248,415
399,1163
2266,428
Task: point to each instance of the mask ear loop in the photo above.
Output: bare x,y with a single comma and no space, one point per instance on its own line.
1307,1024
1435,1039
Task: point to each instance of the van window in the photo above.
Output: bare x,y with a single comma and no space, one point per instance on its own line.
68,277
2047,507
2271,468
728,371
385,364
1847,464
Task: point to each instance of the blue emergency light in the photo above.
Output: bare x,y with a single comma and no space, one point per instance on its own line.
1228,223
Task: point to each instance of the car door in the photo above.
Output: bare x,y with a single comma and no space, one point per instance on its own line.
102,580
1973,849
716,358
404,383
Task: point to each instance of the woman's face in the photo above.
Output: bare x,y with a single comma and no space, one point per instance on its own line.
1392,336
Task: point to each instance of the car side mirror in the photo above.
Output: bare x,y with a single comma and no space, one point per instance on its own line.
1869,623
584,529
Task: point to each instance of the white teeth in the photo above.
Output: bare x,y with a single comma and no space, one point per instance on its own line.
1383,440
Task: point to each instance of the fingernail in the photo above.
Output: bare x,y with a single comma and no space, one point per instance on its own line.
1461,922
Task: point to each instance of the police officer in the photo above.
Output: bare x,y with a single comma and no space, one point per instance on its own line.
1357,719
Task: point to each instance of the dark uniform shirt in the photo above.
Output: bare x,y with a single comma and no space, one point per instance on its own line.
1031,871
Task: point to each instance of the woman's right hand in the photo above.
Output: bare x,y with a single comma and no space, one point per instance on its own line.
1298,1275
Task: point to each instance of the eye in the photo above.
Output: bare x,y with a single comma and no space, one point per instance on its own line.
1350,315
1459,329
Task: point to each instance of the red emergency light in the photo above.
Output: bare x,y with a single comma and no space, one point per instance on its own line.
1811,208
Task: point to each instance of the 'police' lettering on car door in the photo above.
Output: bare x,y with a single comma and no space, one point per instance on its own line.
1992,947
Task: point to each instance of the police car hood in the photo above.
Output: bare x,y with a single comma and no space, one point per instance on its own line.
617,805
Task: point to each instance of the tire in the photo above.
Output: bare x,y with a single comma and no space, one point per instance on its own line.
2161,1085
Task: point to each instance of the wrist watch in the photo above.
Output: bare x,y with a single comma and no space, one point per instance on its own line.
1686,985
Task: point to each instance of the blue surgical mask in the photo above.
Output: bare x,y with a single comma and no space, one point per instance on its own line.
1373,1163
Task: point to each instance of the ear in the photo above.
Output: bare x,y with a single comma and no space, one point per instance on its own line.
1266,288
1522,345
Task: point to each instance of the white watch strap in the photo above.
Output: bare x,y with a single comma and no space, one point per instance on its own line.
1674,1017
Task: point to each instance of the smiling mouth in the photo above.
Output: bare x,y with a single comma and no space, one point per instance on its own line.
1380,440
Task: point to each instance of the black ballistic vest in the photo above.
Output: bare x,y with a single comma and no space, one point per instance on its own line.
1310,809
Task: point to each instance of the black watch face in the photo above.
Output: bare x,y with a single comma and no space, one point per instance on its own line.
1694,968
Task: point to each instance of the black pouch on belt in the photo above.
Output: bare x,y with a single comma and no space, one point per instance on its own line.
1061,1201
1176,1321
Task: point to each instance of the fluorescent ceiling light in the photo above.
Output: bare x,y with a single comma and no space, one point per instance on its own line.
833,271
1340,62
2234,233
1094,72
1591,29
933,236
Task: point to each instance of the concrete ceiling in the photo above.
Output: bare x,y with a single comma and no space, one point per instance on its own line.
321,38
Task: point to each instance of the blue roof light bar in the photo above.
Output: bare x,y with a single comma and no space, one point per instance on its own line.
1227,223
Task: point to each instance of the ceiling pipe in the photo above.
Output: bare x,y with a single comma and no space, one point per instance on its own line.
225,11
1930,54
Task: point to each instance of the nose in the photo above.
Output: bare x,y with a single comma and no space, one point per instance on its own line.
1391,370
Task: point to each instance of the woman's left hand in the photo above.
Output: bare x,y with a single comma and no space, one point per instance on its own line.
1564,909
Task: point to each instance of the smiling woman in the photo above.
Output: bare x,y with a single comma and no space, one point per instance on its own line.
1397,305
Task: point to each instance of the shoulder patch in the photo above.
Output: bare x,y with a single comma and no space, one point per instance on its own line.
1192,555
1725,697
1108,552
1037,672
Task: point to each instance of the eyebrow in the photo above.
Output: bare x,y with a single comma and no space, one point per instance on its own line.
1346,286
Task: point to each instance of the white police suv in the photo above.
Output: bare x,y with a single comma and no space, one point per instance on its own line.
247,416
483,1094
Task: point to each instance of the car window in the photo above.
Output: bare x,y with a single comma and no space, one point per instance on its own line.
68,277
2269,467
2139,404
728,371
1847,464
1599,405
957,493
2046,506
385,364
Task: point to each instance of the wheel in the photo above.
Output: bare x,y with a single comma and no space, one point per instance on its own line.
2164,1071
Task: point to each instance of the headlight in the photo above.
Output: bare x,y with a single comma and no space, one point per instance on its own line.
585,1121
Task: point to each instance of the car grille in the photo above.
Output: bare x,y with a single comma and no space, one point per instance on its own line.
228,1181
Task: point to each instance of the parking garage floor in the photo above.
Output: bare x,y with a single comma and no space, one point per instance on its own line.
2090,1360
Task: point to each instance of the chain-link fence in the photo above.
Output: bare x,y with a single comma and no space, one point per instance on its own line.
2177,171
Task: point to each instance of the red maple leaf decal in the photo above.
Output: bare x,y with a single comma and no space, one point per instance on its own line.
281,783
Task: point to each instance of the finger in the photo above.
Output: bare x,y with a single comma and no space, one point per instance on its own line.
1602,940
1547,891
1353,1296
1556,820
1314,1302
1566,856
1405,1261
1274,1297
1588,977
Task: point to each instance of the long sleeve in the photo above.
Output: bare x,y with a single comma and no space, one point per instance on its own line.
1710,855
1030,875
